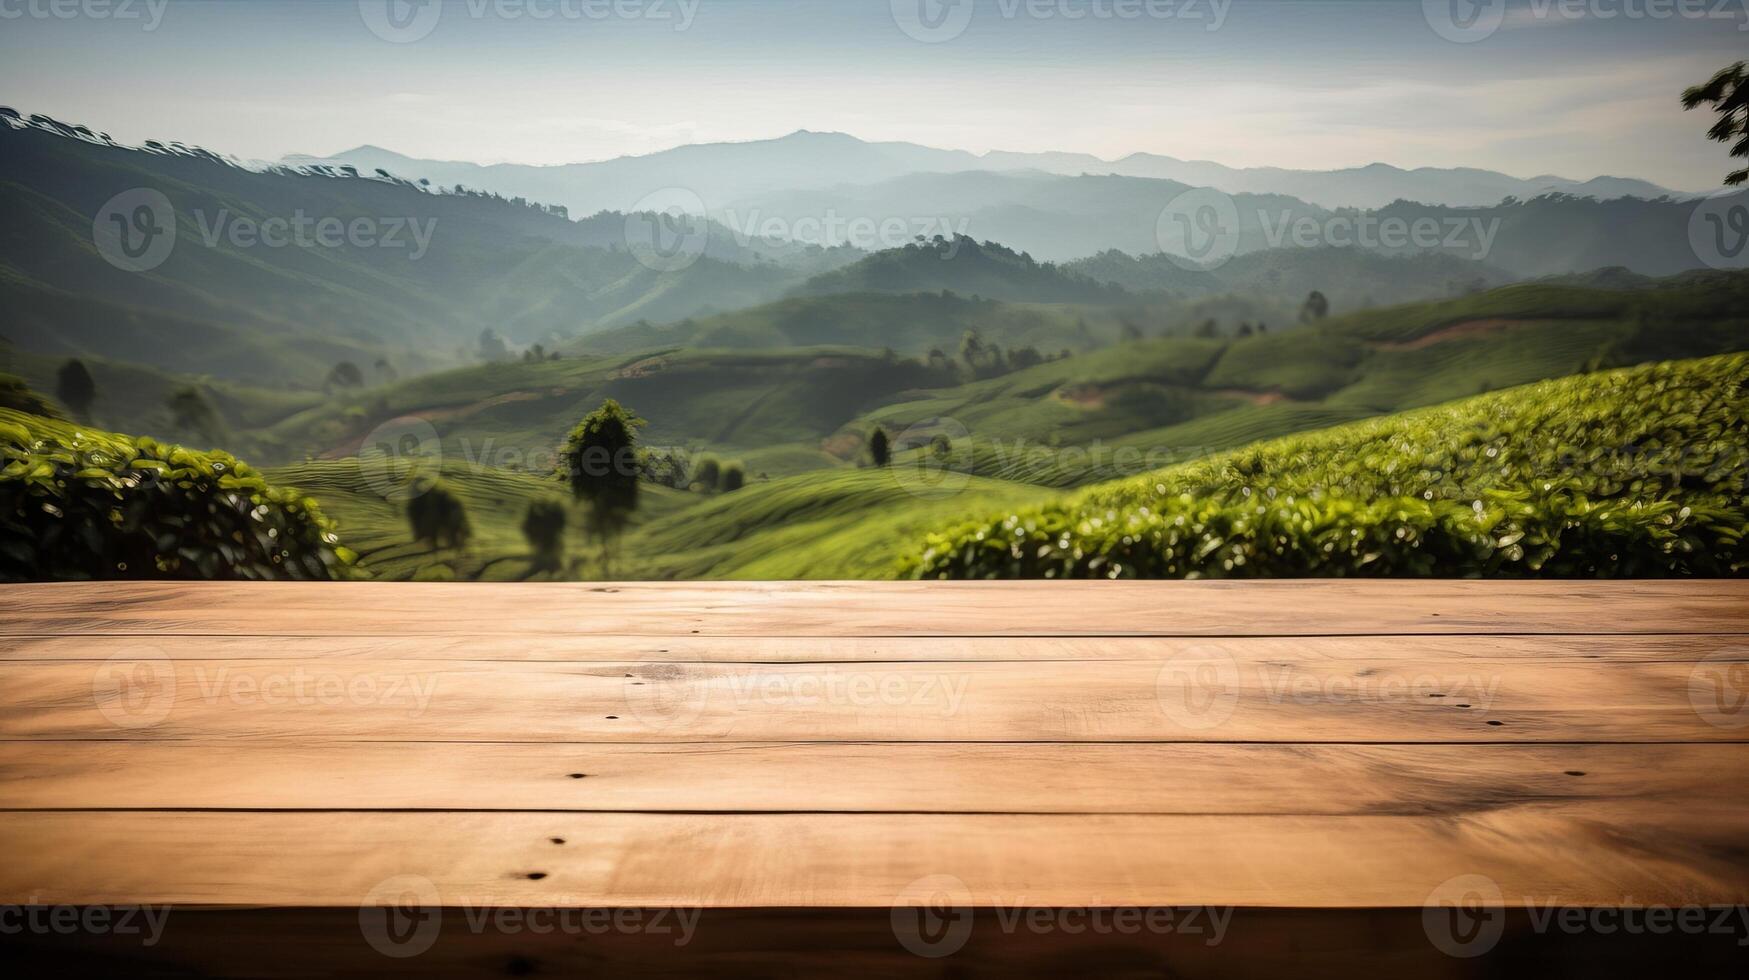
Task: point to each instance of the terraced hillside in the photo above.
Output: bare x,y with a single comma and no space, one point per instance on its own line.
1640,472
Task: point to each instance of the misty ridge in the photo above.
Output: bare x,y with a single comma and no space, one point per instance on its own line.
447,257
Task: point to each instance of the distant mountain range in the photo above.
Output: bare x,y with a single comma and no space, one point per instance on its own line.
725,174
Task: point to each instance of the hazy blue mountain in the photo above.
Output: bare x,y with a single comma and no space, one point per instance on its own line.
723,173
246,309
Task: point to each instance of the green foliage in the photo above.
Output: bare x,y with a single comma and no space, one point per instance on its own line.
544,527
734,477
707,473
345,375
601,463
1728,94
81,504
879,449
437,516
1633,473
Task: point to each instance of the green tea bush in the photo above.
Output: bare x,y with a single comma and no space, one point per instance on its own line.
76,503
1632,473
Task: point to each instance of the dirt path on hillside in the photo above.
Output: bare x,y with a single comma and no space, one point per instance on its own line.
1468,328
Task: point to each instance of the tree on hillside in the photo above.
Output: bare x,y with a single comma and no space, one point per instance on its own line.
385,371
879,448
734,477
438,516
492,346
1315,308
601,462
544,528
344,375
972,350
76,389
707,473
192,415
1728,94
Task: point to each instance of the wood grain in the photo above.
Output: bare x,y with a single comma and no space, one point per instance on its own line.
1586,854
850,777
1031,608
1207,695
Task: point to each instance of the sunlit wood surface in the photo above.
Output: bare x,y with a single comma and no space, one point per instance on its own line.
1333,756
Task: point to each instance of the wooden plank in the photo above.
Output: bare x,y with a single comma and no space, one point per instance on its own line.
860,649
1210,696
1259,608
924,777
1588,854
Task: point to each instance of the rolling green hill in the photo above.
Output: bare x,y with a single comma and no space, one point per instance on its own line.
962,265
1638,472
1165,399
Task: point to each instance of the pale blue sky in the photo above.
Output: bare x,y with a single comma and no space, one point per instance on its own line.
1293,83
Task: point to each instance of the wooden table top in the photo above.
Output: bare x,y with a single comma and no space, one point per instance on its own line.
1282,744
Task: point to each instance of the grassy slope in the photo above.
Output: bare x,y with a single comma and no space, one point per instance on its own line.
848,524
1171,397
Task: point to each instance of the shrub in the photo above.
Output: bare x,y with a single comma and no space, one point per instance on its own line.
437,515
708,473
734,477
544,527
1638,472
80,504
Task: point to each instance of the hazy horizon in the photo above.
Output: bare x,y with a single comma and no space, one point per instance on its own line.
1312,84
